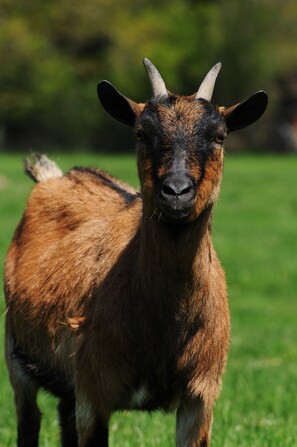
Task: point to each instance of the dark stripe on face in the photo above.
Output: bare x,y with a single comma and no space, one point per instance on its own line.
205,130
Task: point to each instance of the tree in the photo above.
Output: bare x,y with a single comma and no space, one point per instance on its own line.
54,53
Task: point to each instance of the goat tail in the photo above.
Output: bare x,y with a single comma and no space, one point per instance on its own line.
40,168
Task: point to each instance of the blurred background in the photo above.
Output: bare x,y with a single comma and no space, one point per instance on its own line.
54,52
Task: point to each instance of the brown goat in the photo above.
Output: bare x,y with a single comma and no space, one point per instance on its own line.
116,299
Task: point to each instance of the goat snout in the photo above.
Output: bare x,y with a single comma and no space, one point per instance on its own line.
176,198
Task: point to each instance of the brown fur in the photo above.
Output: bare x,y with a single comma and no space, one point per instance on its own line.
122,306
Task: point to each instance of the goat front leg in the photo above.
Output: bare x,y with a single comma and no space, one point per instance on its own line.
193,424
66,409
92,429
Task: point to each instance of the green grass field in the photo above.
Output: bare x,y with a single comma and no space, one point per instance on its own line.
255,233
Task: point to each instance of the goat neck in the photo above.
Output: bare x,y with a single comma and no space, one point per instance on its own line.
175,255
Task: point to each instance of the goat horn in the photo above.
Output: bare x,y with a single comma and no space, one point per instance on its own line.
206,88
158,85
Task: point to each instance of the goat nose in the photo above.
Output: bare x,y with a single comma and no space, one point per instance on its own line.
177,185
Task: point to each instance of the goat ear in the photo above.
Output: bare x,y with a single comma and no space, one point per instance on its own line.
247,112
117,105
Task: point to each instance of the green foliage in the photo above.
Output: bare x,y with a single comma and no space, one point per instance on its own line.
255,236
53,53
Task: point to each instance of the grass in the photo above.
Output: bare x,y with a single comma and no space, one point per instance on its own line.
255,233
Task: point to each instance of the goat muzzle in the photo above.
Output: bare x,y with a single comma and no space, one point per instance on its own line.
176,197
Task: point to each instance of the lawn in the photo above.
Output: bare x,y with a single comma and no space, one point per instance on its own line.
255,233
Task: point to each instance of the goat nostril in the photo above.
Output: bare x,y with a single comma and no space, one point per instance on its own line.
168,190
177,188
186,190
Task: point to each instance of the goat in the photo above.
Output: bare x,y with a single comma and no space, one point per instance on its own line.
116,298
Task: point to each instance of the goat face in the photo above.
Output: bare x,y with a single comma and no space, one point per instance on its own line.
180,143
180,156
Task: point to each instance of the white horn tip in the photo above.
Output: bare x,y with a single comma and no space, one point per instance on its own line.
145,61
158,85
206,88
148,64
214,71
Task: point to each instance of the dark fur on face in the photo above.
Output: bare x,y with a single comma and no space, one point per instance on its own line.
184,136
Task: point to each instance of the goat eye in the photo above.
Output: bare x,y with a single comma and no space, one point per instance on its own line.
140,134
219,139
